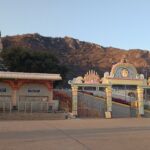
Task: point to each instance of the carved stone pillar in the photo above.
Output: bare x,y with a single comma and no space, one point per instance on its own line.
74,100
140,92
108,98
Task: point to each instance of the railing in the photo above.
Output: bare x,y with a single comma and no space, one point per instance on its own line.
5,106
26,107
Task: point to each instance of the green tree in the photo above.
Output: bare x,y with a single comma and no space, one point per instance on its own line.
22,60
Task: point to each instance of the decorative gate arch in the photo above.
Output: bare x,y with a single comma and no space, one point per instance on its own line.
122,73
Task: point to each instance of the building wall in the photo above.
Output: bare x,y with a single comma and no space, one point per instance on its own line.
5,92
34,90
27,91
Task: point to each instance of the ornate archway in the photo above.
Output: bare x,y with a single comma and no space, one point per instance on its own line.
122,73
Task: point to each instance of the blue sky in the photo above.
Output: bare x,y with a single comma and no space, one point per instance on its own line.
118,23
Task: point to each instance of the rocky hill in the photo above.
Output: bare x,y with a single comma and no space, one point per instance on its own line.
79,56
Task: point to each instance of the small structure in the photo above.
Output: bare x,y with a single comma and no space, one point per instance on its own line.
18,87
122,73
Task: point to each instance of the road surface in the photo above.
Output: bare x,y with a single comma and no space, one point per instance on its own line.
77,134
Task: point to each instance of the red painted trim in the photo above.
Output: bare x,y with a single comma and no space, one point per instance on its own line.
49,85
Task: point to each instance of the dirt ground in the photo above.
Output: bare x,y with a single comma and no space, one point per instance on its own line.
77,134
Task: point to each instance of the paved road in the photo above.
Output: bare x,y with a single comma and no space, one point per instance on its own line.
87,134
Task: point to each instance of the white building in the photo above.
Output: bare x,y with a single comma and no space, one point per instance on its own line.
18,88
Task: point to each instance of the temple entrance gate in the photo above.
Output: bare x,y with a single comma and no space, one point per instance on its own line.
122,74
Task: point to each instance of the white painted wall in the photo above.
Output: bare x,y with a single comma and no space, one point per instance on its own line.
5,92
36,90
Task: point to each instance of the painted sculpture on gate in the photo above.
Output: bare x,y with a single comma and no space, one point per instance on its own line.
91,77
123,75
123,70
